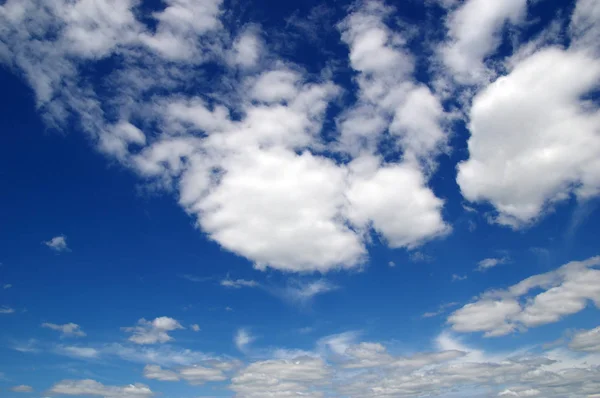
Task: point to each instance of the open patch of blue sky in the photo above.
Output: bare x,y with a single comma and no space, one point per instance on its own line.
215,198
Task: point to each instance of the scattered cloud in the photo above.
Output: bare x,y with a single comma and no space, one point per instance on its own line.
238,283
30,346
21,388
242,339
58,243
564,291
391,264
488,263
456,277
6,310
301,292
78,352
66,330
153,332
7,286
94,388
587,341
441,309
155,372
195,327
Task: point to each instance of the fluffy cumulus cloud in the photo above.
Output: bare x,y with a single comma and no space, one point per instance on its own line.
66,330
474,32
58,243
153,332
231,154
90,387
534,135
559,293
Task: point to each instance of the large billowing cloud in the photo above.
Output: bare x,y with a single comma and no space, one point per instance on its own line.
535,137
246,157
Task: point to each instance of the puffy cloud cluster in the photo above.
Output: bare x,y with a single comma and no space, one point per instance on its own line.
564,291
153,332
248,160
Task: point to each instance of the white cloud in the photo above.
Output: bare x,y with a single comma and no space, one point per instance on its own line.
281,378
456,277
153,332
242,339
21,388
6,286
78,352
301,292
404,219
229,159
588,341
564,291
491,262
66,330
238,283
6,310
585,28
525,393
474,30
195,327
155,372
547,150
92,387
163,355
197,375
442,308
58,243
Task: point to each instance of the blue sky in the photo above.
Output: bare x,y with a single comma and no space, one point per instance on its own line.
213,198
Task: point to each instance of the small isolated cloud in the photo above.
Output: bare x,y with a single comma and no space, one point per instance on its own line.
78,352
238,283
6,286
242,339
58,243
195,327
391,264
420,257
66,330
488,263
22,388
456,277
303,292
228,309
6,310
152,332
